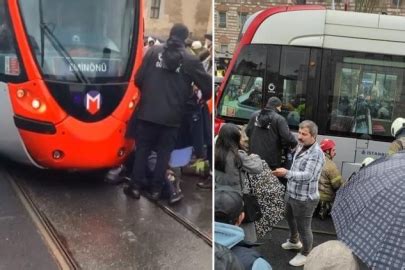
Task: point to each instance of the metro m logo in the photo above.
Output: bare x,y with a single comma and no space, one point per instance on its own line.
93,102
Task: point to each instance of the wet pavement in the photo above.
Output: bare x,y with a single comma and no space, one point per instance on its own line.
18,234
103,229
196,207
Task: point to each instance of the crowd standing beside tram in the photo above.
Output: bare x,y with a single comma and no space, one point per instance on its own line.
194,131
165,80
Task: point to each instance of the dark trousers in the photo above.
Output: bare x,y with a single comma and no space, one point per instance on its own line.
201,130
151,136
299,218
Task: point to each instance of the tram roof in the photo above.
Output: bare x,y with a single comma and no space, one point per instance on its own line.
314,26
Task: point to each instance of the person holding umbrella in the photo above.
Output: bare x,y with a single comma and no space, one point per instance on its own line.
302,194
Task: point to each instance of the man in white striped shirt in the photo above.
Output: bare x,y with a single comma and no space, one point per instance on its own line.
302,194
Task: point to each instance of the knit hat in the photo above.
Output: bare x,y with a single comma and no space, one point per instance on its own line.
273,102
179,31
228,202
331,255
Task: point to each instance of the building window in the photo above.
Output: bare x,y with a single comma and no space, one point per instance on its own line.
155,9
222,19
242,18
224,48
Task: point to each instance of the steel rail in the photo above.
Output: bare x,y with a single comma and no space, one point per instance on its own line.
60,252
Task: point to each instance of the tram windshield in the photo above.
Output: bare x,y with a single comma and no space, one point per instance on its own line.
81,41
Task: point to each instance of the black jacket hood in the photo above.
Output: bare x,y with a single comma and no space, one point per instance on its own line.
263,120
173,54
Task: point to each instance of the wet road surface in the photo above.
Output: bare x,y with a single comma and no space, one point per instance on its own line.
19,236
103,229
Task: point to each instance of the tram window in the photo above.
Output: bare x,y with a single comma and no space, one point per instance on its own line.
244,92
367,94
86,41
9,64
293,76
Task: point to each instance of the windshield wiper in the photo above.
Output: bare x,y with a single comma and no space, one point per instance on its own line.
66,56
59,48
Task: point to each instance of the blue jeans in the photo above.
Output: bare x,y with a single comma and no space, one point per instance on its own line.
299,218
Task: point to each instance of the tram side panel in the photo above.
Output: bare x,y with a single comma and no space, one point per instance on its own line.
249,84
11,144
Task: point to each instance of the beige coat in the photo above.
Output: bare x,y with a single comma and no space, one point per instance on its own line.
329,181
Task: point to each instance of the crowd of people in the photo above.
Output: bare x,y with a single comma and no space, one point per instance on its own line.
311,178
179,83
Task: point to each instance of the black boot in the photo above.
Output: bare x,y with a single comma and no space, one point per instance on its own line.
132,191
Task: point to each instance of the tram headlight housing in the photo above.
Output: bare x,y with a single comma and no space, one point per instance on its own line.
20,93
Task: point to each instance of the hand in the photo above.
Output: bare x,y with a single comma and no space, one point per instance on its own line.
280,172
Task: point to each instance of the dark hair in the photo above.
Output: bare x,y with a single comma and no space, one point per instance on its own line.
228,141
224,218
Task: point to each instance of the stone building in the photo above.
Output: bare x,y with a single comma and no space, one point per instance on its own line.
230,16
160,15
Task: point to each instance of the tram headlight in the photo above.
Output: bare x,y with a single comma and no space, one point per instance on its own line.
20,93
131,105
36,104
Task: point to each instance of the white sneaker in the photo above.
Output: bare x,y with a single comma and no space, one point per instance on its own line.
298,260
289,245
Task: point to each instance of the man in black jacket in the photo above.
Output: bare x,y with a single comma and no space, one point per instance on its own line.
269,133
165,80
